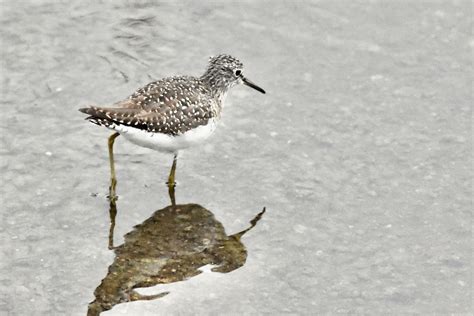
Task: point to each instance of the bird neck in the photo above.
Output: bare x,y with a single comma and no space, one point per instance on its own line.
217,88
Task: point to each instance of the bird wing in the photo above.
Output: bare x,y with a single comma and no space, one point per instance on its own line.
170,109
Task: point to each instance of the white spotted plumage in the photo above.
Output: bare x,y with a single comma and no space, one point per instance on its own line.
176,112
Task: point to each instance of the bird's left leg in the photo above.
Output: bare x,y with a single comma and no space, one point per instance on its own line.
113,179
171,183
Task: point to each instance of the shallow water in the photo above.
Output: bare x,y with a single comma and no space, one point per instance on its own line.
361,151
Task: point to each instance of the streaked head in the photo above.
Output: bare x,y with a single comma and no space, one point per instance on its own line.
224,72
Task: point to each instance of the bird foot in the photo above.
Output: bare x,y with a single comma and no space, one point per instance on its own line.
173,184
112,197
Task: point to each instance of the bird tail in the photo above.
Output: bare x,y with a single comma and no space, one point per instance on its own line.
98,116
97,112
111,117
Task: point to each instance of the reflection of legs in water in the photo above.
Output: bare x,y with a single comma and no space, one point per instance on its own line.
112,214
113,197
171,183
253,222
113,179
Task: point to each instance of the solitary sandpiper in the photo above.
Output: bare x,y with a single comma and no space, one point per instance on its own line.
173,113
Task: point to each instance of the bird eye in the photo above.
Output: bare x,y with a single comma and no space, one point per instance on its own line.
238,72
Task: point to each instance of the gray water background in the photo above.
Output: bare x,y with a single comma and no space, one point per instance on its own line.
361,150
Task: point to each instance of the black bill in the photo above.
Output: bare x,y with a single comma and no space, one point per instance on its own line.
252,85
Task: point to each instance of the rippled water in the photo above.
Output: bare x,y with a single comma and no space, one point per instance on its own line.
360,151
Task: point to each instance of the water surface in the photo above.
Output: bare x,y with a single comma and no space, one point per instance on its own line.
361,151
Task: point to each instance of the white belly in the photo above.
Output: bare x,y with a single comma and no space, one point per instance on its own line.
163,142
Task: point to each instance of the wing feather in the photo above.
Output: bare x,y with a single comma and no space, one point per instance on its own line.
170,106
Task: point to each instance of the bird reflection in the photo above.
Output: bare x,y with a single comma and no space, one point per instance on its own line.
169,246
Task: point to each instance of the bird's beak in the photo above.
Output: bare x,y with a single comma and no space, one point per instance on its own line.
252,85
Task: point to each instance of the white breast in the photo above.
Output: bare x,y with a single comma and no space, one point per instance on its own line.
163,142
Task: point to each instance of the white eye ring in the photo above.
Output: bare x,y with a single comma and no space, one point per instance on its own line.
238,72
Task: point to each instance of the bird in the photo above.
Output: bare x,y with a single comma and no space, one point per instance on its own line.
172,113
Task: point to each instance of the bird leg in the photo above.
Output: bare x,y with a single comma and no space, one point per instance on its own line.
113,180
171,183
